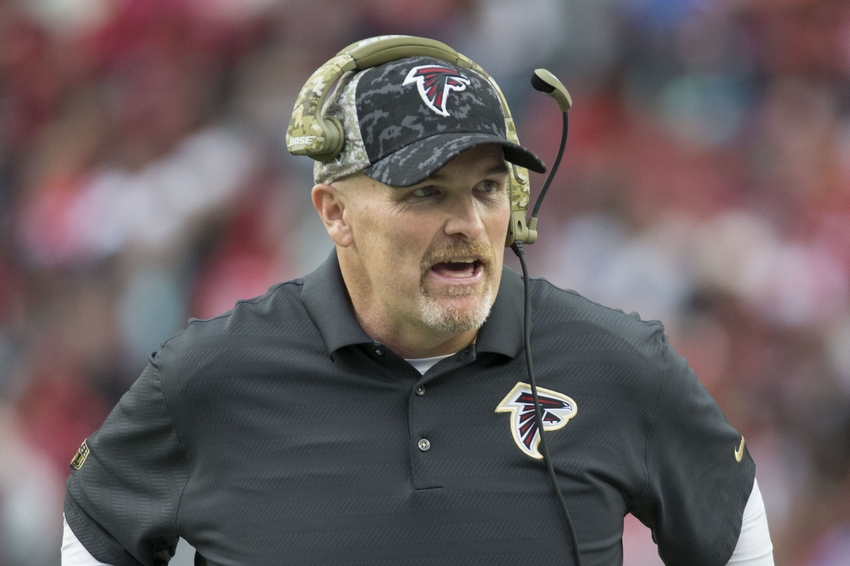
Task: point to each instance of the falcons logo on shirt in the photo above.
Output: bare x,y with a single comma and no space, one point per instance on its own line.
434,83
557,410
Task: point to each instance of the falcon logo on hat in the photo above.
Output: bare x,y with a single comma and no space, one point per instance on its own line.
557,410
434,83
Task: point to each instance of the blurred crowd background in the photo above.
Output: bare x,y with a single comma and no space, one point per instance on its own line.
144,180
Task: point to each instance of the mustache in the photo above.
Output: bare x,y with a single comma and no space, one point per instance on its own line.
455,248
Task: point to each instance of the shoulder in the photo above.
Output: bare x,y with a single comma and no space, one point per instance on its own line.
253,333
602,353
280,302
263,313
563,311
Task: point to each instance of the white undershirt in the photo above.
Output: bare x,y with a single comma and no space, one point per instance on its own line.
424,364
73,551
753,549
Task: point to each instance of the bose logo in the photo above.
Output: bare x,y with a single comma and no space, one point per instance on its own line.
301,140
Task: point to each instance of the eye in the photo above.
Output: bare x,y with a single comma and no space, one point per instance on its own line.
424,192
487,186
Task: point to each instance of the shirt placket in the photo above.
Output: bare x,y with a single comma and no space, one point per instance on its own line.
424,424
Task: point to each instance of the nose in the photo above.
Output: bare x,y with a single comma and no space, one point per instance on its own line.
464,218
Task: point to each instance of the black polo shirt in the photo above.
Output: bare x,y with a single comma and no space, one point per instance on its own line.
280,433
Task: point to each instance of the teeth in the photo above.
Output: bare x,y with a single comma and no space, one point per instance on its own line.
464,260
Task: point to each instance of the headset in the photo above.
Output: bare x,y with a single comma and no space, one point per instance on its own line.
322,138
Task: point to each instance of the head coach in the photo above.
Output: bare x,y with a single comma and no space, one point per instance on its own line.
384,408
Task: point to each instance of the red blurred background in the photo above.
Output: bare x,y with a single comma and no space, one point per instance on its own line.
144,180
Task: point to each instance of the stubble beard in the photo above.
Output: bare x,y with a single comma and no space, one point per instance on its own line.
446,319
439,312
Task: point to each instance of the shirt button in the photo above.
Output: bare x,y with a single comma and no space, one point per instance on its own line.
424,445
379,352
420,390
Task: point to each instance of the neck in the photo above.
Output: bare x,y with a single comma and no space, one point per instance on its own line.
412,340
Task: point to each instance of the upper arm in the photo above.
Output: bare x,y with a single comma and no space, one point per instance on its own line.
696,488
122,501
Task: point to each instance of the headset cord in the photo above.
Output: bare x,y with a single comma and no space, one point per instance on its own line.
538,412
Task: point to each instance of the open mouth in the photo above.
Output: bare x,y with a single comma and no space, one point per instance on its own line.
458,268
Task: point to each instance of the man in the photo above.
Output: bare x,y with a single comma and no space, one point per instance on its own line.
376,411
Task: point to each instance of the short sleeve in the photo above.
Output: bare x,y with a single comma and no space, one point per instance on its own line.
699,472
124,489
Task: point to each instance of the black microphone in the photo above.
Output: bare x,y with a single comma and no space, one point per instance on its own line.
547,83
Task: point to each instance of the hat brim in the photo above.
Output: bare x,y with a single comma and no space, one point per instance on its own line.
416,162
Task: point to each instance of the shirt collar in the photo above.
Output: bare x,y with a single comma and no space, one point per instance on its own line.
502,333
326,299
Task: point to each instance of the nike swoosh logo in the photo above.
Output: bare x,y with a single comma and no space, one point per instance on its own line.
739,451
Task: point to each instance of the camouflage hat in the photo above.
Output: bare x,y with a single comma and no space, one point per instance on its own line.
406,119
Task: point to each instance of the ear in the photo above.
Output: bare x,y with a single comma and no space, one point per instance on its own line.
330,205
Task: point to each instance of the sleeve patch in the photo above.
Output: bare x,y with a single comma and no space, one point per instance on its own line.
80,457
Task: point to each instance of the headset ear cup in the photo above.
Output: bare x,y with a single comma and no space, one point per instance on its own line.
309,133
334,138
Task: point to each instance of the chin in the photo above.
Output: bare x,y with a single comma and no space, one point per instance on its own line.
454,315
